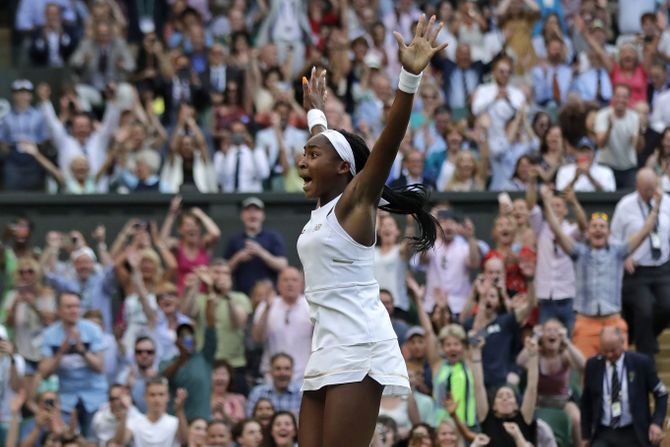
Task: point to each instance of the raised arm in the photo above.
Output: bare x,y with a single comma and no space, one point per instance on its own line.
530,395
481,401
166,228
580,214
213,233
424,320
31,149
565,241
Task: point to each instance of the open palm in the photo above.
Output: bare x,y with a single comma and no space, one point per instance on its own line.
416,56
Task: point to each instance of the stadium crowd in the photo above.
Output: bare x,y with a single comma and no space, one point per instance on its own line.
159,340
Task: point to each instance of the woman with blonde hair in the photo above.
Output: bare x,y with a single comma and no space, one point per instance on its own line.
29,308
468,175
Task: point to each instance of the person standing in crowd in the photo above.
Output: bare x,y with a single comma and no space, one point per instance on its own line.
280,390
283,323
191,370
156,427
585,174
615,400
554,272
391,258
400,326
617,130
255,253
23,124
142,369
242,167
599,265
106,419
72,349
52,44
646,284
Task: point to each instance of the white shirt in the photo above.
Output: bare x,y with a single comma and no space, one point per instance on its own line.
162,433
660,116
619,152
602,174
390,271
294,141
626,417
499,110
289,330
448,271
628,219
104,423
253,167
94,149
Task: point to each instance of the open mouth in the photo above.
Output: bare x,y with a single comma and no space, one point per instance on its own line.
307,181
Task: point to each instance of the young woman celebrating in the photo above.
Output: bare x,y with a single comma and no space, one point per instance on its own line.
355,353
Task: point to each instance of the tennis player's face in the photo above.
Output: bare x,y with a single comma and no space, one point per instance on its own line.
320,166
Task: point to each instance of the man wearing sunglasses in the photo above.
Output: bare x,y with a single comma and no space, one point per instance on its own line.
135,375
599,268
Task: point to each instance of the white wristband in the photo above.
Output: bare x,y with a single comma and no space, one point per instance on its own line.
316,117
408,82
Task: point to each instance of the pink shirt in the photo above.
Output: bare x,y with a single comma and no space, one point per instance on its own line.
637,83
448,271
185,265
554,272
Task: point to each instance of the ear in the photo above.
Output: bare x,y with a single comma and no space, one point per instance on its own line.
344,168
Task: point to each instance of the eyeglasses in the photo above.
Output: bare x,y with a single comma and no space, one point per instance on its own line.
145,351
599,215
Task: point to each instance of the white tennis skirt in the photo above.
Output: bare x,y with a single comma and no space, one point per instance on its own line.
381,360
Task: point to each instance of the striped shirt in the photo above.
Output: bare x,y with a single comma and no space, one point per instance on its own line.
599,274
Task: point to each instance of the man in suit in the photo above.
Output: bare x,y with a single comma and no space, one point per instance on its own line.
52,44
412,171
615,401
460,78
218,72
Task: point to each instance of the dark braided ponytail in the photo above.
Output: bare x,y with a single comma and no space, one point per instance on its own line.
410,199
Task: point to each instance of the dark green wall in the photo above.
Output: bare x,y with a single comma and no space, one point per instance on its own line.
286,213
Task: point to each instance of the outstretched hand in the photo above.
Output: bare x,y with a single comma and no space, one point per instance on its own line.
416,56
314,91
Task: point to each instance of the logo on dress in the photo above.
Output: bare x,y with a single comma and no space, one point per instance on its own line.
317,227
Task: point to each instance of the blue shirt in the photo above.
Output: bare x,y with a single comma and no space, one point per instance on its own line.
598,278
586,84
289,400
543,83
248,273
459,80
22,171
77,381
96,292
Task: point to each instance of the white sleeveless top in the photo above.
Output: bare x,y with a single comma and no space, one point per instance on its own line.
340,284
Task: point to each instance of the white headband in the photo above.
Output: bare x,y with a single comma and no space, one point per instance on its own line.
342,147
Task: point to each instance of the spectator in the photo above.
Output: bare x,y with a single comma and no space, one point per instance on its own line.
552,78
617,129
281,391
433,138
498,99
53,43
400,327
48,420
192,368
102,59
413,172
598,273
516,19
84,139
552,26
232,311
12,370
114,357
615,408
283,323
256,253
460,78
557,357
505,407
509,160
585,175
660,117
391,258
23,124
417,359
449,263
286,138
224,403
646,285
106,419
241,168
188,165
197,432
168,320
156,427
658,85
629,71
218,433
192,249
659,161
263,411
248,433
554,272
142,369
469,174
283,430
593,84
441,164
72,349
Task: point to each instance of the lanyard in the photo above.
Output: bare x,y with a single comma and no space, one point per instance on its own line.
644,215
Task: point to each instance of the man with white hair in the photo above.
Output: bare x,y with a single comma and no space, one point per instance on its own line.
646,285
140,174
95,287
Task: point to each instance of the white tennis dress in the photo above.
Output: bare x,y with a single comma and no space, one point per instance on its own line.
353,336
